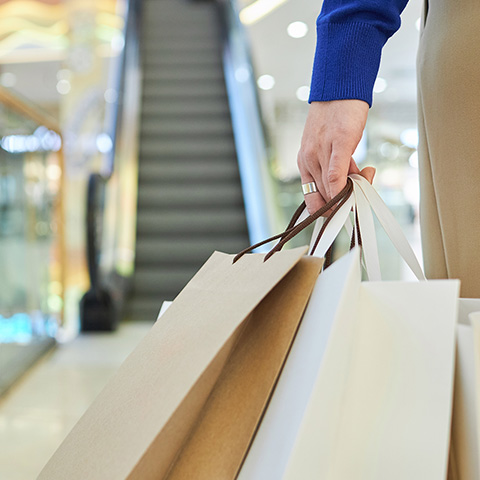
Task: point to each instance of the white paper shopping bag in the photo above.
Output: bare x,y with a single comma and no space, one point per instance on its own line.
366,393
465,445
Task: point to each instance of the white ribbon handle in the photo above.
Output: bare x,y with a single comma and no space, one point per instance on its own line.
333,228
365,199
367,234
367,229
390,225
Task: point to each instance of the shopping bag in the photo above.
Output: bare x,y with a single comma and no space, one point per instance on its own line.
187,401
464,446
366,391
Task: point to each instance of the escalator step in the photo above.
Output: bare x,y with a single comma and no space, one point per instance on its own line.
184,251
192,61
149,282
190,199
197,147
185,223
181,45
199,108
195,196
193,18
194,89
181,73
188,171
202,56
186,127
147,309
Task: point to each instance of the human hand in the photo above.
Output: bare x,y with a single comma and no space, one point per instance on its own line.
331,135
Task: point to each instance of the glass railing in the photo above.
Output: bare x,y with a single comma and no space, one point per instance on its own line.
31,235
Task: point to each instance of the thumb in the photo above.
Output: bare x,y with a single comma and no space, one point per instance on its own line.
368,173
353,167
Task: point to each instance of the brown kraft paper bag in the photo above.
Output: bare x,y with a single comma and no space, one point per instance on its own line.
187,401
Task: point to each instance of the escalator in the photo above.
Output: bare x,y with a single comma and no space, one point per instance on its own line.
190,199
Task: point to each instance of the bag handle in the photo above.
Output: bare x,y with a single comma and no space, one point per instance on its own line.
389,224
345,204
332,226
366,229
359,195
293,228
365,199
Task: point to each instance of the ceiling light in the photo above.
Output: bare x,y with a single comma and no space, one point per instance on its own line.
297,29
104,143
413,160
418,23
117,42
409,137
53,172
242,74
110,95
63,87
266,82
258,9
380,85
303,93
389,150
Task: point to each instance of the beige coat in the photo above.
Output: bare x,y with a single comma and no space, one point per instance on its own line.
449,127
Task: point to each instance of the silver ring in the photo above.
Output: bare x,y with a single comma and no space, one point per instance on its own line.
310,187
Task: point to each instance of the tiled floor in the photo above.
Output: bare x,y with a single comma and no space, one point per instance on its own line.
42,408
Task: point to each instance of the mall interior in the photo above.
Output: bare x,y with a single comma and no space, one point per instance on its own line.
137,137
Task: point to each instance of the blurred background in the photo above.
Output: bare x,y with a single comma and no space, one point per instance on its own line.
137,137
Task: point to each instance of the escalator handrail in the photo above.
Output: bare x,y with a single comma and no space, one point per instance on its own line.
96,185
97,182
250,134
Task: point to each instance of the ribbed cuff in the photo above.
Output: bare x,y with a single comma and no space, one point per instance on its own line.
346,62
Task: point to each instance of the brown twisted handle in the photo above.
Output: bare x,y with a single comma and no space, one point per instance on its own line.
291,230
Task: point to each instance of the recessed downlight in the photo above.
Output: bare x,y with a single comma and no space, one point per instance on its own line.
303,93
380,85
297,29
266,82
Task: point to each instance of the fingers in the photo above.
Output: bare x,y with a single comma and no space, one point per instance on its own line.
310,166
331,134
336,171
314,201
368,173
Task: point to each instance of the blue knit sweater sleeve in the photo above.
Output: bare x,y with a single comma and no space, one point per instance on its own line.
350,38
